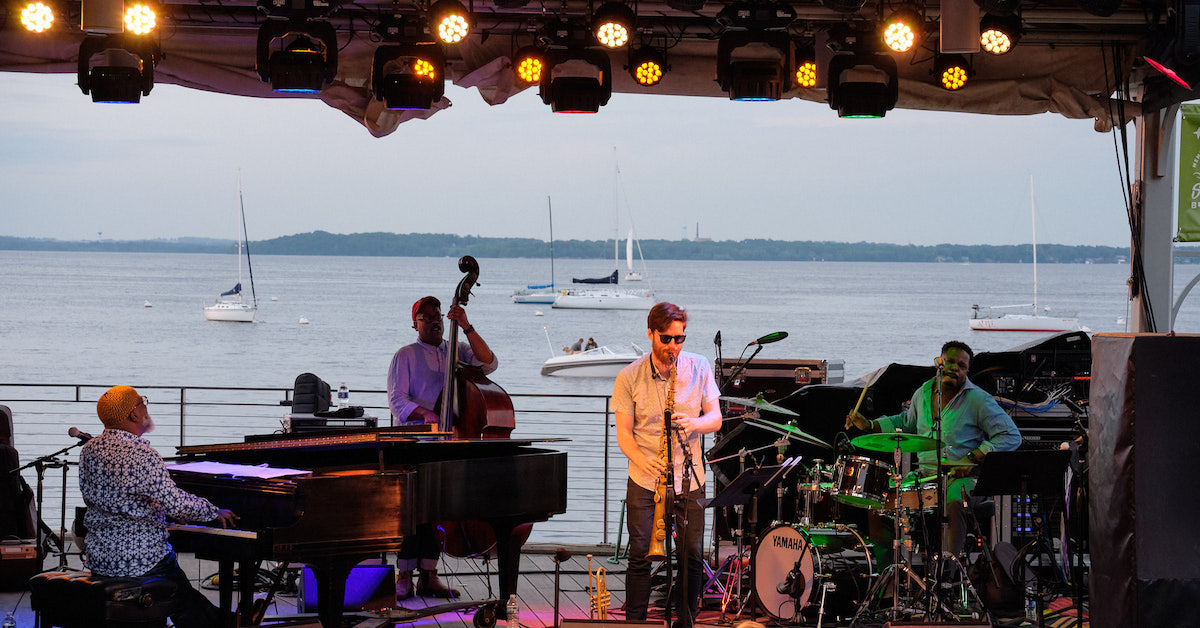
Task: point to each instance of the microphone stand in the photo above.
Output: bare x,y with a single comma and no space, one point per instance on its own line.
44,533
669,513
936,565
741,367
682,527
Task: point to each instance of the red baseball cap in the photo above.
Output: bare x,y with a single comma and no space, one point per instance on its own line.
423,301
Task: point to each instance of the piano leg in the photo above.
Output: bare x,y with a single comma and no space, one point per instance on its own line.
247,578
508,554
225,590
331,588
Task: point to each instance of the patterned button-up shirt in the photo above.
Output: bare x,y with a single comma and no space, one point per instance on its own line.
129,495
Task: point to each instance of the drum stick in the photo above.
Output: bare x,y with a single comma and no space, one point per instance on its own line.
862,394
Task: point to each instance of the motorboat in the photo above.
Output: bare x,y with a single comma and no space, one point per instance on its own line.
597,362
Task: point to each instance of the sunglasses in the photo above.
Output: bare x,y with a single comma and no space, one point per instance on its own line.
667,339
429,319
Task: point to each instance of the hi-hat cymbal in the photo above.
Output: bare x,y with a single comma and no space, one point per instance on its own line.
890,441
758,403
790,431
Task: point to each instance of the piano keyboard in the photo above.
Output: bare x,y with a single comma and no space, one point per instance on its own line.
229,532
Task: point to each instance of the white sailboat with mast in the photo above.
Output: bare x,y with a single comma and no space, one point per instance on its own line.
544,293
1009,317
230,306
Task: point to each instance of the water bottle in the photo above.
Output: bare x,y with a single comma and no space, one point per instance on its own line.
1031,614
9,621
343,396
513,610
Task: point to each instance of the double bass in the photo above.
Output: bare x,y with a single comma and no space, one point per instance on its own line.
478,407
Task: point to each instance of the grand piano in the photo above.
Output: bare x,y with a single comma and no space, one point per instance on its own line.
364,491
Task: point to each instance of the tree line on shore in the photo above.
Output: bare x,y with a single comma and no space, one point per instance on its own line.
448,245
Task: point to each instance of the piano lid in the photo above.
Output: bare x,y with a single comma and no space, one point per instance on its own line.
353,439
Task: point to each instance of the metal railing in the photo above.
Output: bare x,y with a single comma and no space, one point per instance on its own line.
196,415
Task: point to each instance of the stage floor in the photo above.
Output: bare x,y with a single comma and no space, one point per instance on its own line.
536,595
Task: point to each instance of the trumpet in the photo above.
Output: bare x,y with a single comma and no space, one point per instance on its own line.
598,591
658,537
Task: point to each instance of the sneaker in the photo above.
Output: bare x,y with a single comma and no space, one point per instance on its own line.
404,585
428,585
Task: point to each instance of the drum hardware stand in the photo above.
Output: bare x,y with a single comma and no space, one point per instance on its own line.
681,503
735,564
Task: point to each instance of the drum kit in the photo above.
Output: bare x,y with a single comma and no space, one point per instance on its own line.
804,571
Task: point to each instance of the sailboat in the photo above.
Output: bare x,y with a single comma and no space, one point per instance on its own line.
543,293
230,306
1010,317
632,275
608,298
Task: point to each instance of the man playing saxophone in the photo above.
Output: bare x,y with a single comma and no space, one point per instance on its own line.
681,384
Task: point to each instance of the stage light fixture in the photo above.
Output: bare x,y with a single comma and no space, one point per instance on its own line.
647,65
902,30
612,24
952,71
576,80
754,65
305,64
998,35
37,17
806,66
409,77
528,64
862,85
450,20
140,19
123,71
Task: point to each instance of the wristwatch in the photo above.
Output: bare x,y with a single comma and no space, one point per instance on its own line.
971,456
469,329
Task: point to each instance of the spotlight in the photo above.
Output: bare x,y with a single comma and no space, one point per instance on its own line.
37,17
902,30
303,66
952,71
647,66
139,19
409,76
998,35
761,67
612,24
862,85
806,66
451,20
124,71
576,80
528,63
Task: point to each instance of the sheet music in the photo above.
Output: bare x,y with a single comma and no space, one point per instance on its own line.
237,470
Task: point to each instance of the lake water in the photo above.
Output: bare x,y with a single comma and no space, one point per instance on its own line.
68,318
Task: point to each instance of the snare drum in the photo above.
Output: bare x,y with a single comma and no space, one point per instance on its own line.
918,495
861,481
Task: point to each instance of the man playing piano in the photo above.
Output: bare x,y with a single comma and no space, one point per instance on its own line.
415,380
129,497
665,380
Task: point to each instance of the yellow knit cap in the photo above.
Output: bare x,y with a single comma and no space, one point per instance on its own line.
115,405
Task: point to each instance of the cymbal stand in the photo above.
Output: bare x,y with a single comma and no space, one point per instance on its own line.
681,528
736,562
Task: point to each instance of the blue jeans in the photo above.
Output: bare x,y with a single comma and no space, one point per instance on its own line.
639,504
192,610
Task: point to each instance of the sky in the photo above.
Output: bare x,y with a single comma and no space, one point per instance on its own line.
71,169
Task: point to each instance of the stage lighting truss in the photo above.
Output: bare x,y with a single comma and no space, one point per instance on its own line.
647,65
806,66
450,21
123,75
140,19
576,80
902,30
528,64
409,76
862,84
306,64
997,35
952,71
754,65
37,17
613,23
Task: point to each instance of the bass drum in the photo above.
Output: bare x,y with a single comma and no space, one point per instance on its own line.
830,560
781,549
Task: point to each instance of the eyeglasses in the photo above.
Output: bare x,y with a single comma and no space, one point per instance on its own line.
429,319
145,400
667,339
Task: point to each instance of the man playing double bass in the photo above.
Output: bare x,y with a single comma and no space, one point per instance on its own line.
414,383
666,379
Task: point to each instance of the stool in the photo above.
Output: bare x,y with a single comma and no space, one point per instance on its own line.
83,600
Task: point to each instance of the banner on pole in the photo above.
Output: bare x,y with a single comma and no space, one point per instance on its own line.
1189,175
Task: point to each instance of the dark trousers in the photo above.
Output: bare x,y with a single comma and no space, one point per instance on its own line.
419,550
639,504
193,610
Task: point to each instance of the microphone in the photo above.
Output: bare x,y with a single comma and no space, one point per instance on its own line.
717,338
769,338
82,436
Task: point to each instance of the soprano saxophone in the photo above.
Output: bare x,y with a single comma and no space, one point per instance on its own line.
658,538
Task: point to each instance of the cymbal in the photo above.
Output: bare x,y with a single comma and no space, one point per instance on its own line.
790,431
890,441
758,403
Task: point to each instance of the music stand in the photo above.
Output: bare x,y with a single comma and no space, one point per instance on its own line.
750,483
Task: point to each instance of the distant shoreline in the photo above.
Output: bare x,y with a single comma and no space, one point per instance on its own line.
446,245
